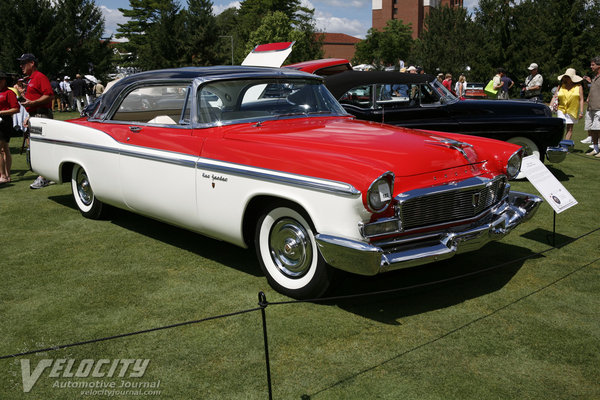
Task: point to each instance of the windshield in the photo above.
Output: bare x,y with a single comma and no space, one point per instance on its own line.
230,101
445,95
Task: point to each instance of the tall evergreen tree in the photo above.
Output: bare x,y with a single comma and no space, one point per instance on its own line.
444,46
201,34
77,38
140,16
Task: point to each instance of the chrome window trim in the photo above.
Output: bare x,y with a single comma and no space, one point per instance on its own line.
184,160
202,81
127,90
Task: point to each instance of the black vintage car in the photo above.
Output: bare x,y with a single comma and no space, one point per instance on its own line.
420,101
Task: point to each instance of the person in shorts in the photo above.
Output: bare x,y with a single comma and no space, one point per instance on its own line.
592,116
8,107
569,97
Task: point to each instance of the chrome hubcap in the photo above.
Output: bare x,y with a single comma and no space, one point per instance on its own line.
290,248
83,188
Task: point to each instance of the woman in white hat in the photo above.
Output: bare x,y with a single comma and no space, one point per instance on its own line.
570,99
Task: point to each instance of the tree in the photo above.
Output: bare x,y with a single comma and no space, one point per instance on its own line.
444,43
65,36
385,47
141,15
251,15
368,50
78,41
201,39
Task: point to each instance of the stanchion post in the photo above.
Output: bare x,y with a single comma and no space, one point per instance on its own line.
554,230
262,302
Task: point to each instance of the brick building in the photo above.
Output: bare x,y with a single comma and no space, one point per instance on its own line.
338,45
409,11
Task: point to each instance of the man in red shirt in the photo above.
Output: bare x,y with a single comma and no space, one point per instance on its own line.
38,98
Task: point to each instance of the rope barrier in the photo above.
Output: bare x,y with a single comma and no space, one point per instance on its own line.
263,303
64,346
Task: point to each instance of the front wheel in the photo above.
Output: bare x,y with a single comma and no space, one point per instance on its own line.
88,204
288,254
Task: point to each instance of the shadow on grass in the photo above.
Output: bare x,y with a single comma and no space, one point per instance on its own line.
243,260
547,237
386,308
559,174
423,293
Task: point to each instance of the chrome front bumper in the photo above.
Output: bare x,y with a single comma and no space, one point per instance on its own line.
370,259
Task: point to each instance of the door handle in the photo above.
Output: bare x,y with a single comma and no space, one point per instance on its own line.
135,129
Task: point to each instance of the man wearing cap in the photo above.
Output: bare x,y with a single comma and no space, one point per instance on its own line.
533,84
38,98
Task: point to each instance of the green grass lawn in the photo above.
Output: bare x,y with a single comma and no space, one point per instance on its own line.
528,329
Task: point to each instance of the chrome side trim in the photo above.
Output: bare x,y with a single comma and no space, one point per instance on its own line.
189,161
319,184
77,145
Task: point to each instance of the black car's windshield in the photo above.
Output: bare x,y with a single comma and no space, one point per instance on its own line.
230,101
445,95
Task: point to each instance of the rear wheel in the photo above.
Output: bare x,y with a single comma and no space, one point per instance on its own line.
88,204
288,254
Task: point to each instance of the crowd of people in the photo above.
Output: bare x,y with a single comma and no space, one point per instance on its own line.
36,96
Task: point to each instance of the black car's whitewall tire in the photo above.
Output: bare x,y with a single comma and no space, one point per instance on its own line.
529,147
88,204
288,254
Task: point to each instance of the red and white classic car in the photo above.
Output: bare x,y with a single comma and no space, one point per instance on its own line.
266,157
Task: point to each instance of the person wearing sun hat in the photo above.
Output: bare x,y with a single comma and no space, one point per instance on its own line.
570,99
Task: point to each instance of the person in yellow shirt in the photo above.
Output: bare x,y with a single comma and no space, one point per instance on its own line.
570,99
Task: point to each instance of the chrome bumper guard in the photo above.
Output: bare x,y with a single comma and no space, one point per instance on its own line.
368,259
557,154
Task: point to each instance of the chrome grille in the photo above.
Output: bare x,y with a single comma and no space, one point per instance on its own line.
445,204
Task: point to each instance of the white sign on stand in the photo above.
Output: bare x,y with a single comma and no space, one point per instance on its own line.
549,187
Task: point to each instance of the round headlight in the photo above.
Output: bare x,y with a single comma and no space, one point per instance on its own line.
514,165
379,194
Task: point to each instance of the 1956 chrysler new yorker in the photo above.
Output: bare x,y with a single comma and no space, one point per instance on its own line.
266,157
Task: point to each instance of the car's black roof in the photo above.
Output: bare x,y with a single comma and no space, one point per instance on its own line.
339,84
189,74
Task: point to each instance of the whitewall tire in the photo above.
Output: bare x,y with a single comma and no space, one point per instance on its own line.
288,254
87,203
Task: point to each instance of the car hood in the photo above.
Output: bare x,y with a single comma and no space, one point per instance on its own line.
342,149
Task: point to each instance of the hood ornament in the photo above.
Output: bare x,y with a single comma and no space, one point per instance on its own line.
451,144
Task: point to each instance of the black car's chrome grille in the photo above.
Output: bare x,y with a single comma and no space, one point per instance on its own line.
445,205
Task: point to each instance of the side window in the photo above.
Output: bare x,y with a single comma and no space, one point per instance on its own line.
359,96
396,95
155,104
429,95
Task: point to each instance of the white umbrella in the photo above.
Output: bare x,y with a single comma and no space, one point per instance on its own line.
91,78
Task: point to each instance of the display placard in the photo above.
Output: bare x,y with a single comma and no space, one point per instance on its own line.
549,187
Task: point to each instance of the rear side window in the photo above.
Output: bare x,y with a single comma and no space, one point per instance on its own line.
156,104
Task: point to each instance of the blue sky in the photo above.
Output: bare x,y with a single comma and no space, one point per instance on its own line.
352,17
